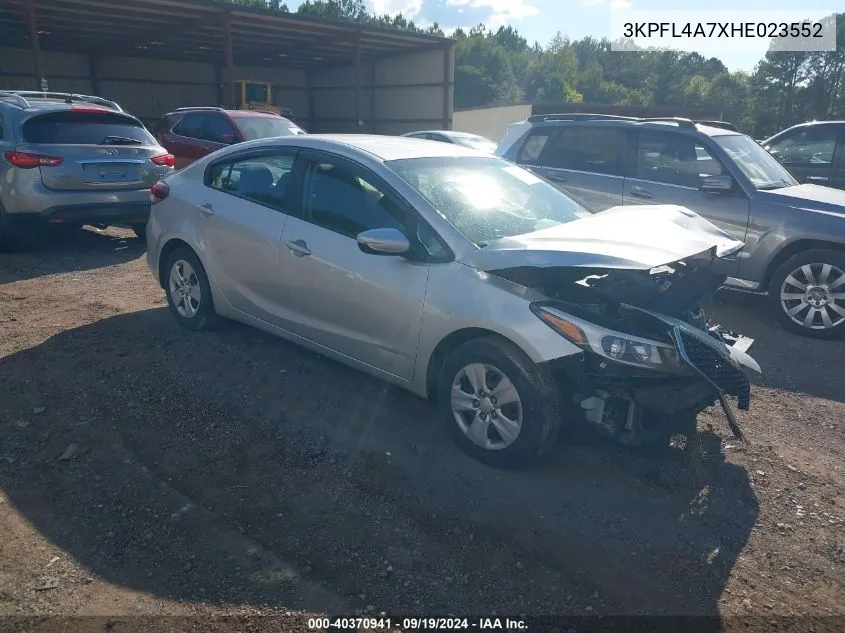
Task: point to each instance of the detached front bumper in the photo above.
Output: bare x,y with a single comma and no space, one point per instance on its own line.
722,371
726,370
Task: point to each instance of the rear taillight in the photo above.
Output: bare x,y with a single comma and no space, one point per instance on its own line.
159,191
30,161
165,160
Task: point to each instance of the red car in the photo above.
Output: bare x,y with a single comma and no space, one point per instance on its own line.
191,133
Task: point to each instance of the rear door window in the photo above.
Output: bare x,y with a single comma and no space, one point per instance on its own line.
261,179
593,149
674,159
191,126
85,128
218,129
533,146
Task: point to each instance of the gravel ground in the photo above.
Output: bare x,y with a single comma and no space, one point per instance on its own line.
147,470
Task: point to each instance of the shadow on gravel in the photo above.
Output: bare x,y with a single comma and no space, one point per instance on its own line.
61,250
206,460
789,361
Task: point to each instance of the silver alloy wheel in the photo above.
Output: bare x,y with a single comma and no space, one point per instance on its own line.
813,296
486,406
185,289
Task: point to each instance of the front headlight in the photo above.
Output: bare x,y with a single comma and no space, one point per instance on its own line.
616,346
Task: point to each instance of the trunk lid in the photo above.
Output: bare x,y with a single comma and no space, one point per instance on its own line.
100,150
638,237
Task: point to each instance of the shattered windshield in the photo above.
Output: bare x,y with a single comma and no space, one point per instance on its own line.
487,199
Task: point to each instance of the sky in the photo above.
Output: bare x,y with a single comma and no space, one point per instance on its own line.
539,20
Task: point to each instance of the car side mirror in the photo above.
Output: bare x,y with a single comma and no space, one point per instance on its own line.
383,242
228,139
717,184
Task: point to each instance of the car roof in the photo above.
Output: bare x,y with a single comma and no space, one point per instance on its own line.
454,133
252,113
662,125
37,105
812,123
238,113
798,126
385,148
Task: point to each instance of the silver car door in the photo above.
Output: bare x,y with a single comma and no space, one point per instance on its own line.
240,218
670,168
365,306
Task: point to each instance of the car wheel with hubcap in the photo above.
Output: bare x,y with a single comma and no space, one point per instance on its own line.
808,290
500,407
188,291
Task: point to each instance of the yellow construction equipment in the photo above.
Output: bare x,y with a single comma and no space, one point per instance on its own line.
257,95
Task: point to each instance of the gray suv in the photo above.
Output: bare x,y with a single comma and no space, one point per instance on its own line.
794,233
74,160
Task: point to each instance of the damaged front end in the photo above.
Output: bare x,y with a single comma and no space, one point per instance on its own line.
651,360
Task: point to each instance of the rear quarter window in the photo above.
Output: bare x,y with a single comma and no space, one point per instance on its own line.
83,128
534,145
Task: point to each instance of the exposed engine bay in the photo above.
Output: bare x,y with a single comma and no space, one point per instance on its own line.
658,361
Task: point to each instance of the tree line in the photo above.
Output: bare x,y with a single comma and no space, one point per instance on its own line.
502,68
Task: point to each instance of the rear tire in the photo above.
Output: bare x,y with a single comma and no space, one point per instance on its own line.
811,285
140,230
500,407
188,291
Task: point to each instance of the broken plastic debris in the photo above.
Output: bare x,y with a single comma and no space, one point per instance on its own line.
70,451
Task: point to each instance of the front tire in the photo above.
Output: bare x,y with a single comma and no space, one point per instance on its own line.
808,292
188,291
500,407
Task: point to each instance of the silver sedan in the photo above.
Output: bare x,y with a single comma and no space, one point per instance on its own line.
458,276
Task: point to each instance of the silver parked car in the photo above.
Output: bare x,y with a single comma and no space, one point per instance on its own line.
460,277
74,159
458,138
794,233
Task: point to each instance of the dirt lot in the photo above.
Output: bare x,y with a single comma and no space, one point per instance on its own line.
231,473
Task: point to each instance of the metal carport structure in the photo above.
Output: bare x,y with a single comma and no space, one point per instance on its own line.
155,55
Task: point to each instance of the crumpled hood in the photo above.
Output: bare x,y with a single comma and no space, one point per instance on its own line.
807,197
637,237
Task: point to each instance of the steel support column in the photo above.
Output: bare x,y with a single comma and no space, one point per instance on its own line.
447,84
358,81
94,73
309,95
32,20
230,62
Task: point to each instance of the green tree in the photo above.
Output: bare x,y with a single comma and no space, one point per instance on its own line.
346,10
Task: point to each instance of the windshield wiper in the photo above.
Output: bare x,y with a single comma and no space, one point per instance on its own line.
120,140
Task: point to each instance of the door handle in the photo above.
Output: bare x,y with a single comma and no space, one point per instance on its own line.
205,208
639,192
298,247
556,177
817,179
